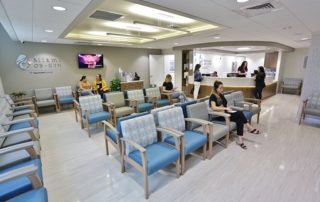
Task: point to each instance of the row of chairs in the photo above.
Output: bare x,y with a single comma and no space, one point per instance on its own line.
152,141
91,109
20,165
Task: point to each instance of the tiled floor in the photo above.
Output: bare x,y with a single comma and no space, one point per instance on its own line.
281,164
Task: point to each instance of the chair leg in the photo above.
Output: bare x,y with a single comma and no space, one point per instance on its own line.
146,185
178,169
75,112
226,140
107,147
88,127
258,118
301,117
204,151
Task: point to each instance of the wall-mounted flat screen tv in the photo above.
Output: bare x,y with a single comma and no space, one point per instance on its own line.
90,61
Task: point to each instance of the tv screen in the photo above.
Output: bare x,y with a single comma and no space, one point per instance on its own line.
90,61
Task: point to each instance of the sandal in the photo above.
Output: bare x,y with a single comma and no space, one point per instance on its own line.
255,131
243,146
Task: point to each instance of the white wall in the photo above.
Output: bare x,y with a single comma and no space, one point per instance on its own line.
178,65
293,63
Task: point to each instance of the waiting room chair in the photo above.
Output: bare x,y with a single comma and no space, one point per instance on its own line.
116,105
184,105
64,95
173,120
291,84
142,150
311,106
19,105
44,97
23,183
137,100
154,96
215,131
91,111
113,133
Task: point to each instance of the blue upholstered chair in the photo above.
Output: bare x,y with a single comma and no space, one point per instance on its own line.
64,95
215,131
116,105
91,111
137,100
23,182
154,96
174,120
113,134
21,105
44,97
142,150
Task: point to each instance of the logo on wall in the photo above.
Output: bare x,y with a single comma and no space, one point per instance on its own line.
40,64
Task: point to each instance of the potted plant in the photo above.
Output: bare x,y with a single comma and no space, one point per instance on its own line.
115,84
18,95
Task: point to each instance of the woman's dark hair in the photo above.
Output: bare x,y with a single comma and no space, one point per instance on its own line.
83,78
244,66
99,75
216,85
261,69
197,67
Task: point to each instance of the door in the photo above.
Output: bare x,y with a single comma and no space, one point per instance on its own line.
156,69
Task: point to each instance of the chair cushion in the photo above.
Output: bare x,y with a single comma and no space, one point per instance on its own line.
123,111
112,135
219,131
19,185
233,125
163,102
98,116
24,124
36,195
66,100
159,155
192,141
43,94
143,107
16,139
12,158
141,130
184,106
45,103
117,98
254,108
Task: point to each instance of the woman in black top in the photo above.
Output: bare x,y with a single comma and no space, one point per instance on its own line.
243,69
167,87
260,84
219,103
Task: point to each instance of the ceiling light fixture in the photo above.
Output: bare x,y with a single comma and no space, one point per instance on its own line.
130,36
160,27
217,37
44,41
48,30
242,1
59,8
176,43
130,26
304,39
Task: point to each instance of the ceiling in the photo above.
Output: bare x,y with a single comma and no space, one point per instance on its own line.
287,23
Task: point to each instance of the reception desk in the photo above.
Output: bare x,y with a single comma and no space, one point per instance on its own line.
246,85
131,85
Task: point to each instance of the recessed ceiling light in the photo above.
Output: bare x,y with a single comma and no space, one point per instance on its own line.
59,8
242,1
48,30
149,47
304,39
99,44
176,43
243,48
217,37
44,41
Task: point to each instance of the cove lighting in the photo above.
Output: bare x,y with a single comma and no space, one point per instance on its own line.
242,1
304,39
243,48
48,30
160,27
129,26
59,8
159,15
44,41
130,36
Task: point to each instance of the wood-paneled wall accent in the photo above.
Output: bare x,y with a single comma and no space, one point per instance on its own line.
131,85
271,59
268,91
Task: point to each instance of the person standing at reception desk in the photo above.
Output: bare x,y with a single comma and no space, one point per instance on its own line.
243,69
260,83
197,79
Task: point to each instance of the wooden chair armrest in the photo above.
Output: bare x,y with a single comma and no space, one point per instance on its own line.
29,171
198,121
18,121
171,132
17,147
109,126
22,107
14,132
132,103
236,108
133,144
219,114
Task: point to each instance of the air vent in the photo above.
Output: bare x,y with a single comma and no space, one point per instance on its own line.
259,9
262,6
104,15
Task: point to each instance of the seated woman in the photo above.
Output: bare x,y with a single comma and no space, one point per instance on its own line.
100,86
167,87
85,86
219,103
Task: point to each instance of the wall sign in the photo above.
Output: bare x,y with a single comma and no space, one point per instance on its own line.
40,64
